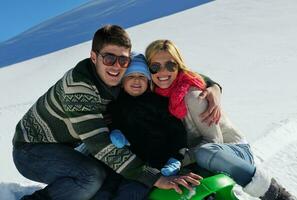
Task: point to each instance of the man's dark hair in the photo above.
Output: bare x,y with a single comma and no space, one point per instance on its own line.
110,34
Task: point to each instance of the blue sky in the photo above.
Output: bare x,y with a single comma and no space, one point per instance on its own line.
17,16
81,22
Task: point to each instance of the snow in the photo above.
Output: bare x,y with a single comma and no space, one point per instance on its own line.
10,191
248,46
78,25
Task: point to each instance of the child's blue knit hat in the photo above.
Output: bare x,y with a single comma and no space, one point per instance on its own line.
138,65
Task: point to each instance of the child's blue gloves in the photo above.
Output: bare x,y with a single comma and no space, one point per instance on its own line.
118,139
172,167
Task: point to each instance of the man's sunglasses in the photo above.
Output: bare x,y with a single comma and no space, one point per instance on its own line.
110,59
155,67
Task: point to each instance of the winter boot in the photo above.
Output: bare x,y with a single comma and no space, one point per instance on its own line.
277,192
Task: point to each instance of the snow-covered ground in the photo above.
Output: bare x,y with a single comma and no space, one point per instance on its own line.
248,46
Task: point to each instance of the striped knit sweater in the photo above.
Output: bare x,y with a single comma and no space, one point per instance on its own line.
72,111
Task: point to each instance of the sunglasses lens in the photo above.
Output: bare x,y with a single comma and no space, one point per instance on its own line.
171,66
124,61
154,68
109,59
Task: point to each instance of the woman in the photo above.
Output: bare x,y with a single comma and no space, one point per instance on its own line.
218,147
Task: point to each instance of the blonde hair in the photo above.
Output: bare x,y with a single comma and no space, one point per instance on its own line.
168,46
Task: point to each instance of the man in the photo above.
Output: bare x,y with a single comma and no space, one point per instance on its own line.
70,112
73,111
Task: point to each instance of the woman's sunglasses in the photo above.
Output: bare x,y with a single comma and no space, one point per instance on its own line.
110,59
155,67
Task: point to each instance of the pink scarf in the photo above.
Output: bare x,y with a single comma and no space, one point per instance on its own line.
178,90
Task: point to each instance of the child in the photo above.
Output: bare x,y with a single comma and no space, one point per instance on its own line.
144,119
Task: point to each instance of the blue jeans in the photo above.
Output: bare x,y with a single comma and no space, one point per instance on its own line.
235,160
71,175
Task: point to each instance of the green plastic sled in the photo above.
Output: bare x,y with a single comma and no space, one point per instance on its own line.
218,186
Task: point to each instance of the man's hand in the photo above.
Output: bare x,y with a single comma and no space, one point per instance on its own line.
172,182
213,111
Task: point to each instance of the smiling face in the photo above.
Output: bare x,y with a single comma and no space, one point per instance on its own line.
163,78
135,84
110,75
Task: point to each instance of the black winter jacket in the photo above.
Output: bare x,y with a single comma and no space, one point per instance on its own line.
154,134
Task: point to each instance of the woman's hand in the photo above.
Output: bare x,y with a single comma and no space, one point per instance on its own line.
172,182
213,111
